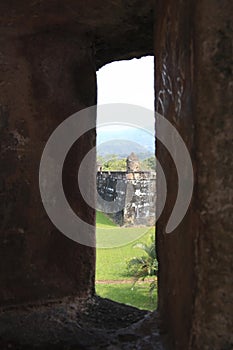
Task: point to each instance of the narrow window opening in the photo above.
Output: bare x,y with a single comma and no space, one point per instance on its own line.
126,265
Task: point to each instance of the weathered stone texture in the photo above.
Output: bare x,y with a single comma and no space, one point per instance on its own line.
174,87
45,77
134,193
132,163
193,88
213,58
48,56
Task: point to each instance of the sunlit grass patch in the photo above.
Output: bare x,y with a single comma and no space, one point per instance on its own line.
123,293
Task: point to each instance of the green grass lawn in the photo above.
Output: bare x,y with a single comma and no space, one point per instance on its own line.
111,262
103,221
109,235
138,297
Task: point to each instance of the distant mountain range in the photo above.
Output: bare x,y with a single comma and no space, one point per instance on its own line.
122,142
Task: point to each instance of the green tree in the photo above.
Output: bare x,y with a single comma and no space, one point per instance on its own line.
149,163
114,163
146,265
111,162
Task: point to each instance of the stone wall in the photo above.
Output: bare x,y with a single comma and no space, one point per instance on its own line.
213,67
193,49
135,193
45,77
174,100
49,51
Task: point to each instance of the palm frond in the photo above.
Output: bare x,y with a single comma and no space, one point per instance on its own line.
146,265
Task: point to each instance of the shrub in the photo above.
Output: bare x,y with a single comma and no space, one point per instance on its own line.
146,265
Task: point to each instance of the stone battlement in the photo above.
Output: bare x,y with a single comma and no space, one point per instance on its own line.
134,193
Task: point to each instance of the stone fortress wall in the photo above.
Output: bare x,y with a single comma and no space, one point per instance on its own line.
134,191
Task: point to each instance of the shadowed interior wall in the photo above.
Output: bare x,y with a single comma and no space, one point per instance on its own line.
174,87
45,78
213,310
49,53
193,49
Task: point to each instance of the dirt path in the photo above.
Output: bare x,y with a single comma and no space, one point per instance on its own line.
129,281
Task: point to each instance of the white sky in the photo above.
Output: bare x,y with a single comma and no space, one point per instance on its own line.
129,81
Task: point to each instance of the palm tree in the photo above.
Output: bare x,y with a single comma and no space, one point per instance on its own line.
146,265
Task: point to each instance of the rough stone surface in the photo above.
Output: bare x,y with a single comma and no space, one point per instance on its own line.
176,251
49,53
132,163
37,71
133,193
193,49
114,29
48,57
79,324
213,58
